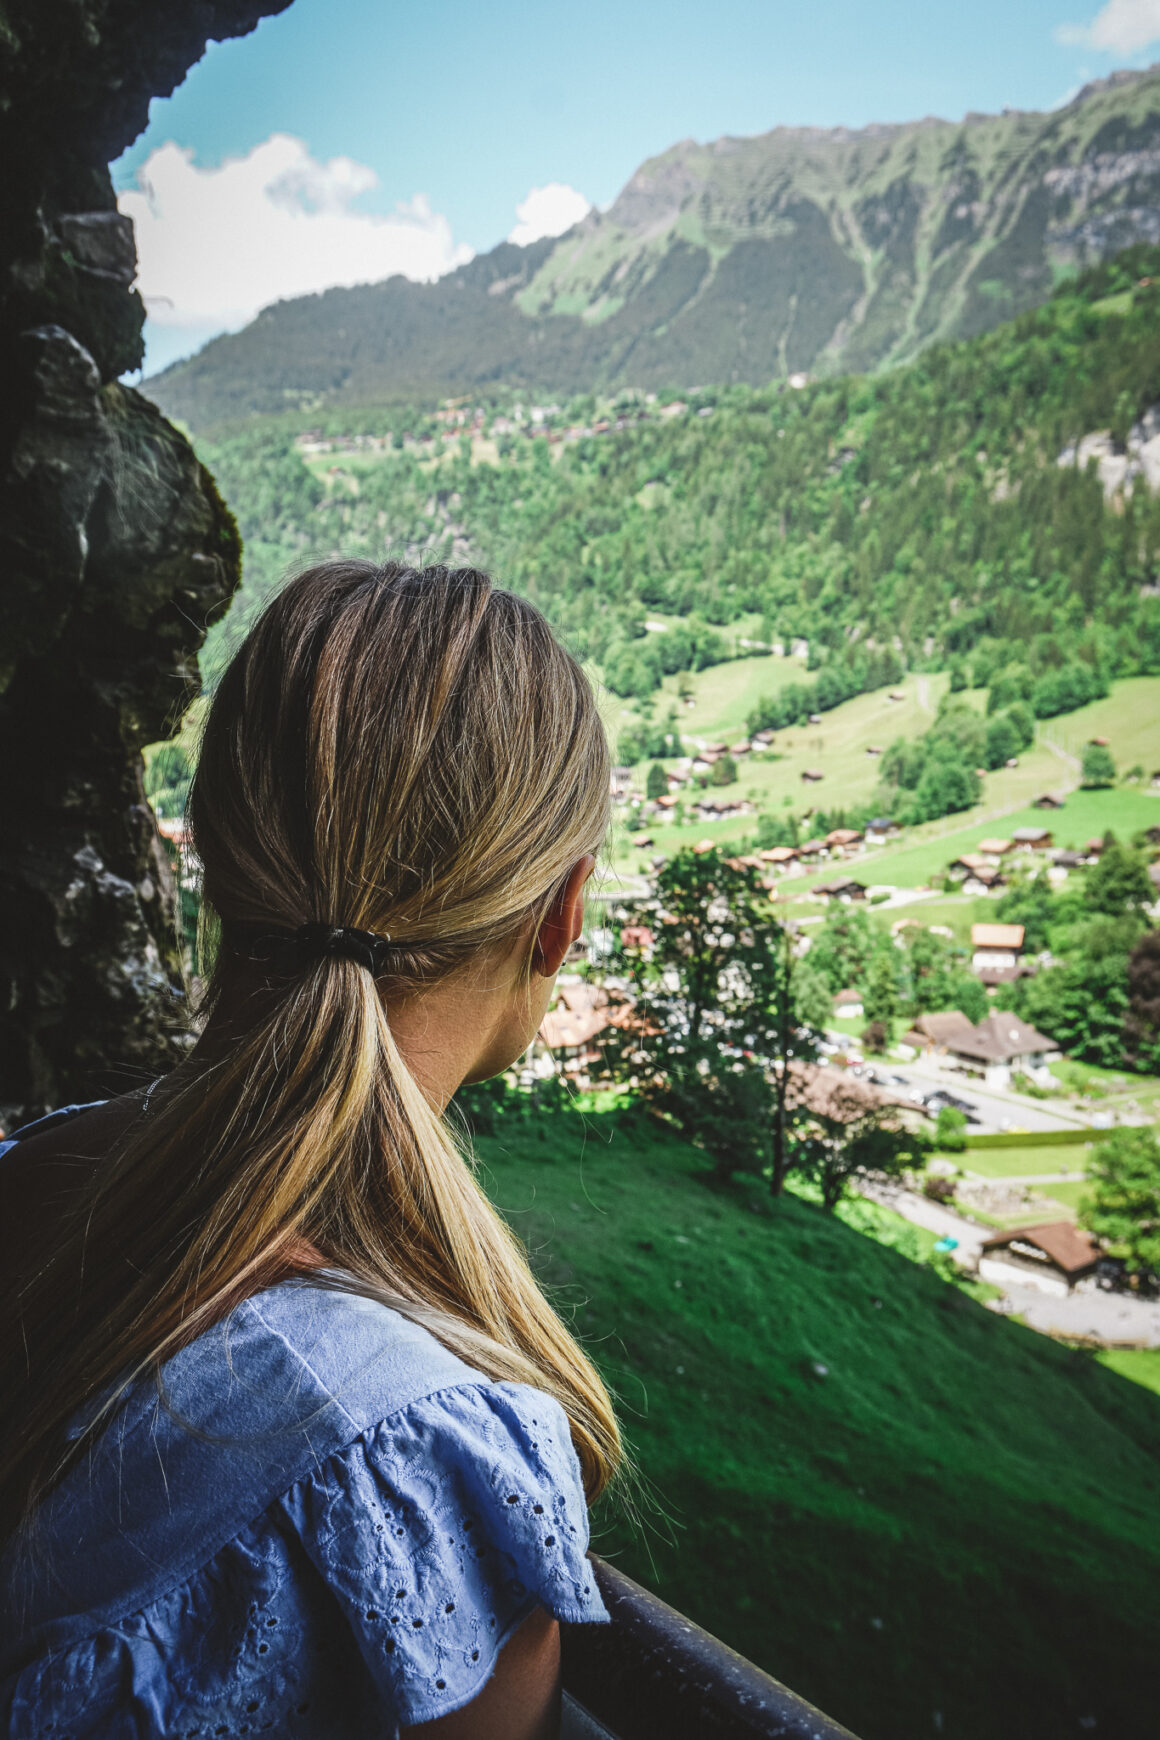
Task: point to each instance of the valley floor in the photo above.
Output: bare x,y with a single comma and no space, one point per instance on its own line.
1129,717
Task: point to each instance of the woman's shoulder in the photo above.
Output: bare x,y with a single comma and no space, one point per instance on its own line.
317,1342
283,1383
434,1506
295,1384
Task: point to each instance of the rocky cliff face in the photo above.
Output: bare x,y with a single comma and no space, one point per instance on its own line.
116,553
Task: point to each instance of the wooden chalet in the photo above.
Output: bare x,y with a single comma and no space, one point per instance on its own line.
1051,1257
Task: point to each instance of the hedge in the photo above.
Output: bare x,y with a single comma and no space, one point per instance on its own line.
1037,1138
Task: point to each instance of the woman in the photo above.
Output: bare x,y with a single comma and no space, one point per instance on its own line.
293,1442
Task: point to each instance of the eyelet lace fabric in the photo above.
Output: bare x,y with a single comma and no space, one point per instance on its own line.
374,1590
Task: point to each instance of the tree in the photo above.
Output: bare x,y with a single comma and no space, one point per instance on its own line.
657,784
946,786
843,947
802,1009
167,779
1002,741
852,1140
1030,901
1142,1022
880,998
1098,768
967,995
1082,1003
724,771
950,1130
935,970
720,1000
875,1037
1118,882
1022,721
1123,1207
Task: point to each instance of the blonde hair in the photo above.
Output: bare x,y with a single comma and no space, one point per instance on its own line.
398,751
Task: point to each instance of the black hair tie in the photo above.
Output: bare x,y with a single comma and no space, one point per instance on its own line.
286,950
366,948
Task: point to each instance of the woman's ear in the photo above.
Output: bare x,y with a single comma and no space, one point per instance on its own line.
563,921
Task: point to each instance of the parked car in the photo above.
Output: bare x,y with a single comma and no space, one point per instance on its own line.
934,1102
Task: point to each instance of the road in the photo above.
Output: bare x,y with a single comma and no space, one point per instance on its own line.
996,1111
1106,1317
934,1216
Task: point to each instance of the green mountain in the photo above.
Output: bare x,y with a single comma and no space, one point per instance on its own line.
745,260
943,513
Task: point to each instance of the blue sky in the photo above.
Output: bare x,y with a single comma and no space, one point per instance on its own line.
471,106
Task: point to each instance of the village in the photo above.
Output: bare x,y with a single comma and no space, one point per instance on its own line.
482,427
1002,1209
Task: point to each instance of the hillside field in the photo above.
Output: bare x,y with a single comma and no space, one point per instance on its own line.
923,1517
1129,717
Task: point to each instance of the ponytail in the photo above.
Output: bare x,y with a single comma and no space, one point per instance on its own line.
407,754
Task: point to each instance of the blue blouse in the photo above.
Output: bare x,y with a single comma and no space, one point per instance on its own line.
320,1524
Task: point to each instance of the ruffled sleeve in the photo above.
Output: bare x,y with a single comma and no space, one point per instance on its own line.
440,1529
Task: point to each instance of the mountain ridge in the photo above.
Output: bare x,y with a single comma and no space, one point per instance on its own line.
799,250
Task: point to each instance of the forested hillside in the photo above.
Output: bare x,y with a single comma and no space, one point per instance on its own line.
744,260
940,515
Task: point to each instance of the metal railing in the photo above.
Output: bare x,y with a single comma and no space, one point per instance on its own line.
654,1675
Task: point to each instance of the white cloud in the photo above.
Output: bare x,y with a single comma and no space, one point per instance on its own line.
548,211
1120,27
216,245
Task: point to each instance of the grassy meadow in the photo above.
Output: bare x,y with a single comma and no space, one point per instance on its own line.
1027,1162
923,1517
724,695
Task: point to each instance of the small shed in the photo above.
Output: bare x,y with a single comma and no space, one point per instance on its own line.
996,945
782,858
1051,1257
849,1002
1033,839
842,888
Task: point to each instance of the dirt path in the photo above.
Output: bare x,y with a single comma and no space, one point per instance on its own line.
1070,761
920,1211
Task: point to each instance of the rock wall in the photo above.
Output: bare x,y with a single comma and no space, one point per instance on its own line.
116,553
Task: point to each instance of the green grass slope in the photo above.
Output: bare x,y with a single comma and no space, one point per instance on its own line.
956,1530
